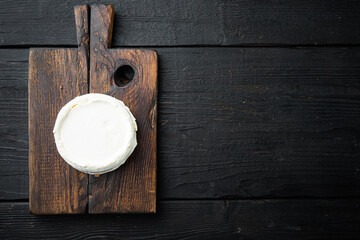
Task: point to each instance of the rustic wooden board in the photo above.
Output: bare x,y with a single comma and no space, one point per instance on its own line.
188,22
132,187
218,219
55,77
299,112
62,74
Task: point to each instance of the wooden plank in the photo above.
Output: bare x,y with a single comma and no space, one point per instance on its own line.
234,219
188,22
55,77
132,187
14,147
233,122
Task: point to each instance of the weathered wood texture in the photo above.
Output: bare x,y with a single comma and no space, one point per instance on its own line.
55,77
233,122
132,187
14,148
234,219
188,22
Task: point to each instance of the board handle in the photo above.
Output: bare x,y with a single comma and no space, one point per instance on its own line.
82,26
102,21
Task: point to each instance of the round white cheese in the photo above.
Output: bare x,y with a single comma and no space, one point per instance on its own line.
95,133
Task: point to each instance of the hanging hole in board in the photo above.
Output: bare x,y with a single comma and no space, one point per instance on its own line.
124,75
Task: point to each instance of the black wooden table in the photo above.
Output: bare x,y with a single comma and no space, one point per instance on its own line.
259,118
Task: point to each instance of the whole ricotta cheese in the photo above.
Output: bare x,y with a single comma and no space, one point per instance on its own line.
95,133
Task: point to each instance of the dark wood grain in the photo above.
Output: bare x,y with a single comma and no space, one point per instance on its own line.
132,187
82,18
188,22
55,77
233,122
249,122
233,219
14,147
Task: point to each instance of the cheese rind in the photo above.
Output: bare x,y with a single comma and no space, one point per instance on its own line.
95,133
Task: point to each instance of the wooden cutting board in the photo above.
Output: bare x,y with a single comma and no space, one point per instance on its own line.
58,75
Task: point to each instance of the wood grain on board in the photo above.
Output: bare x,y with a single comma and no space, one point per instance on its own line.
132,187
58,75
55,77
